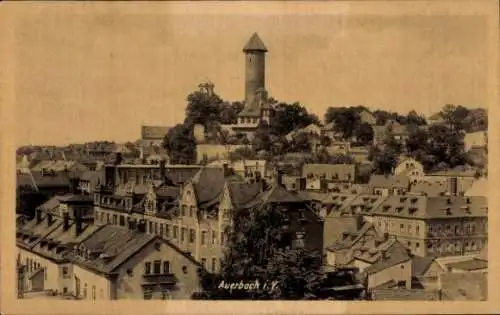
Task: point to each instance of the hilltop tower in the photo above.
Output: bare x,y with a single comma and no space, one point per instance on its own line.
255,69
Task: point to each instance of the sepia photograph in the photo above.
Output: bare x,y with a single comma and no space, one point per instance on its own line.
218,152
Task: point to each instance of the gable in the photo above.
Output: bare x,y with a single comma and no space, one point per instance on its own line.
188,194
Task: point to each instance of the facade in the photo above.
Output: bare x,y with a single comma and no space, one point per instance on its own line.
435,226
411,168
320,176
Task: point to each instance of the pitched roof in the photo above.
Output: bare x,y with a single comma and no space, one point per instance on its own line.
115,242
278,194
243,193
255,44
350,238
433,207
383,181
469,265
431,189
394,259
420,265
166,191
208,183
464,286
56,179
478,188
154,132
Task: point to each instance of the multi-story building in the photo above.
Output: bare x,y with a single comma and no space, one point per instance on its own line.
435,226
386,185
331,177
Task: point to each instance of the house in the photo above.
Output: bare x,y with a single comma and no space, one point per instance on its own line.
318,175
251,169
89,180
435,226
362,248
398,131
304,228
153,135
311,130
411,168
464,177
123,263
475,140
393,266
389,185
43,242
425,273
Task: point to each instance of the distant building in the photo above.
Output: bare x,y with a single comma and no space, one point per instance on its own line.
411,168
398,131
389,185
475,140
435,226
319,176
153,135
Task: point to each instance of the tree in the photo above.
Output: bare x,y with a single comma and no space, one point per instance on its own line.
446,145
346,120
203,108
382,117
180,144
364,133
229,112
288,117
261,139
413,118
258,249
244,153
383,161
301,143
454,116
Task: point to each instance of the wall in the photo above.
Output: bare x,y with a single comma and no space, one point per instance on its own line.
51,276
255,74
412,233
131,274
399,272
215,150
89,279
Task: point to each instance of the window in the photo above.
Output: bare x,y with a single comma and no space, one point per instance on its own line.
161,229
65,272
93,292
122,220
156,227
222,238
102,216
191,211
183,210
402,227
192,236
115,219
214,237
214,264
147,268
167,230
183,234
107,218
204,262
150,227
203,237
166,267
176,231
409,228
417,230
157,267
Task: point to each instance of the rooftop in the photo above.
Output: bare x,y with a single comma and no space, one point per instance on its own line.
255,44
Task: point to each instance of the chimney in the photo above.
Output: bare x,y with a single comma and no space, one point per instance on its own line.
78,226
163,170
279,177
453,186
65,221
38,216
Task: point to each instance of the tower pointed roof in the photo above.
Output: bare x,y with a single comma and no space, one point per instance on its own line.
255,44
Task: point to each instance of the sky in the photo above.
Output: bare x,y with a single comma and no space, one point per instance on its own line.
100,75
